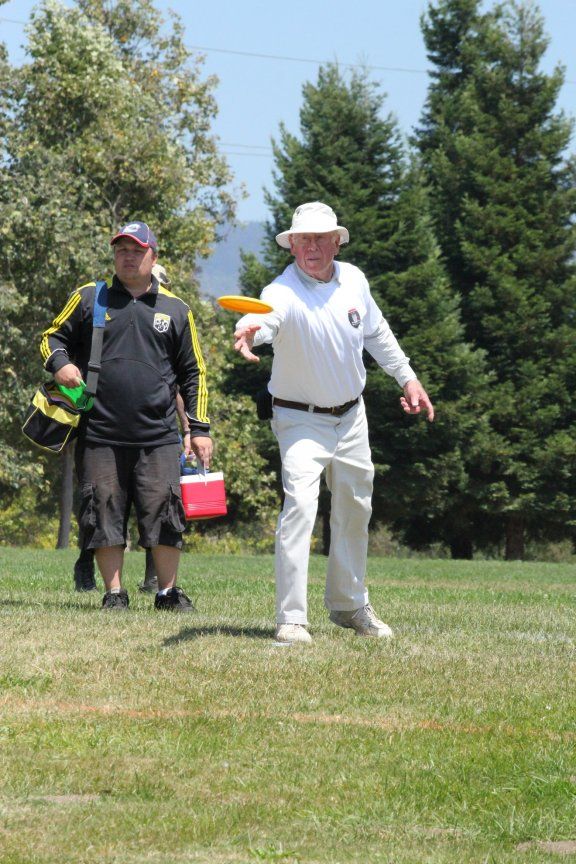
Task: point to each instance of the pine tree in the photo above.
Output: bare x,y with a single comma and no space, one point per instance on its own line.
503,200
434,486
353,158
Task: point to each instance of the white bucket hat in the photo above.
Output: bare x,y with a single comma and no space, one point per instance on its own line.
312,218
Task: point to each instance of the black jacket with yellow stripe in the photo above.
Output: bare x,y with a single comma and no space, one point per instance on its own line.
150,348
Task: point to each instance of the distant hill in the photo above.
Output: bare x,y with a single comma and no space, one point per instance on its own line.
219,273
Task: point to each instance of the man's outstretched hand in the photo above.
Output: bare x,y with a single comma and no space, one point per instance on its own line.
244,340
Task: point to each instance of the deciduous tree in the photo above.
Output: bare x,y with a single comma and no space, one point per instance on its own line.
109,119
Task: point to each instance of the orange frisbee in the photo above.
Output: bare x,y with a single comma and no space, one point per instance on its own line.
239,303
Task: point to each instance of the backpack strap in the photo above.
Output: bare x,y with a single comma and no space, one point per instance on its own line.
98,324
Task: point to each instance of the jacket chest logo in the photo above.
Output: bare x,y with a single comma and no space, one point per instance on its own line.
354,317
161,322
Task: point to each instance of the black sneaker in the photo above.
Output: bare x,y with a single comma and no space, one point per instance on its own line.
84,576
174,601
116,602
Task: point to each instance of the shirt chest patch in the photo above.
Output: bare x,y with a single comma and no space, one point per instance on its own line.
161,322
354,317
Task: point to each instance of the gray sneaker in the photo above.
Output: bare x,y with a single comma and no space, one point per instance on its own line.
292,633
364,621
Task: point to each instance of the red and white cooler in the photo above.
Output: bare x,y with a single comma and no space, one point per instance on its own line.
203,495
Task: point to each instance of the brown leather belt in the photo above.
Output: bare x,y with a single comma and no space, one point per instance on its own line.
338,410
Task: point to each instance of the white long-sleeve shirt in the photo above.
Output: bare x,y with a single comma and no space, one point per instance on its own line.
318,331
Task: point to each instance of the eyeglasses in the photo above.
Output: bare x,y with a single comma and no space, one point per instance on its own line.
325,239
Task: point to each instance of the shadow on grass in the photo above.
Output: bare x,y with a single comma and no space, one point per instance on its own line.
196,632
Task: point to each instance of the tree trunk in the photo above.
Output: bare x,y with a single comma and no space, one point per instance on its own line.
461,547
514,538
66,496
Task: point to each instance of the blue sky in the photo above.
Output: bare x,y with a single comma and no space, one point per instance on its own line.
256,93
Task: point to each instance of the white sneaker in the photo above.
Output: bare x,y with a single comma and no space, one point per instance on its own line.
364,621
292,633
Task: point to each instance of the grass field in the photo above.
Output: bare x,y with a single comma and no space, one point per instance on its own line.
146,737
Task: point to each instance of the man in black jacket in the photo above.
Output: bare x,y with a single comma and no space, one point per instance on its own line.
128,448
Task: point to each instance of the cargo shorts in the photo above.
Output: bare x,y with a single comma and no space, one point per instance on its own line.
113,478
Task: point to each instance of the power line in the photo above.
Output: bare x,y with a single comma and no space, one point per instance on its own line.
232,153
253,146
281,57
366,66
307,60
286,58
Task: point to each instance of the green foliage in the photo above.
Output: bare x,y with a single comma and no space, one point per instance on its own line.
431,485
16,467
503,199
29,520
254,274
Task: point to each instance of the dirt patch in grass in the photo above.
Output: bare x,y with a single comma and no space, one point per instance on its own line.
64,799
392,724
11,806
559,847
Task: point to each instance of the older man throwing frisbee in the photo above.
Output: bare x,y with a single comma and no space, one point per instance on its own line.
323,317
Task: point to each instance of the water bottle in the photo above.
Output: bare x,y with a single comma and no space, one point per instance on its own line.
188,465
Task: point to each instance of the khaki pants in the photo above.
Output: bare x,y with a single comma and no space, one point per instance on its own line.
309,444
